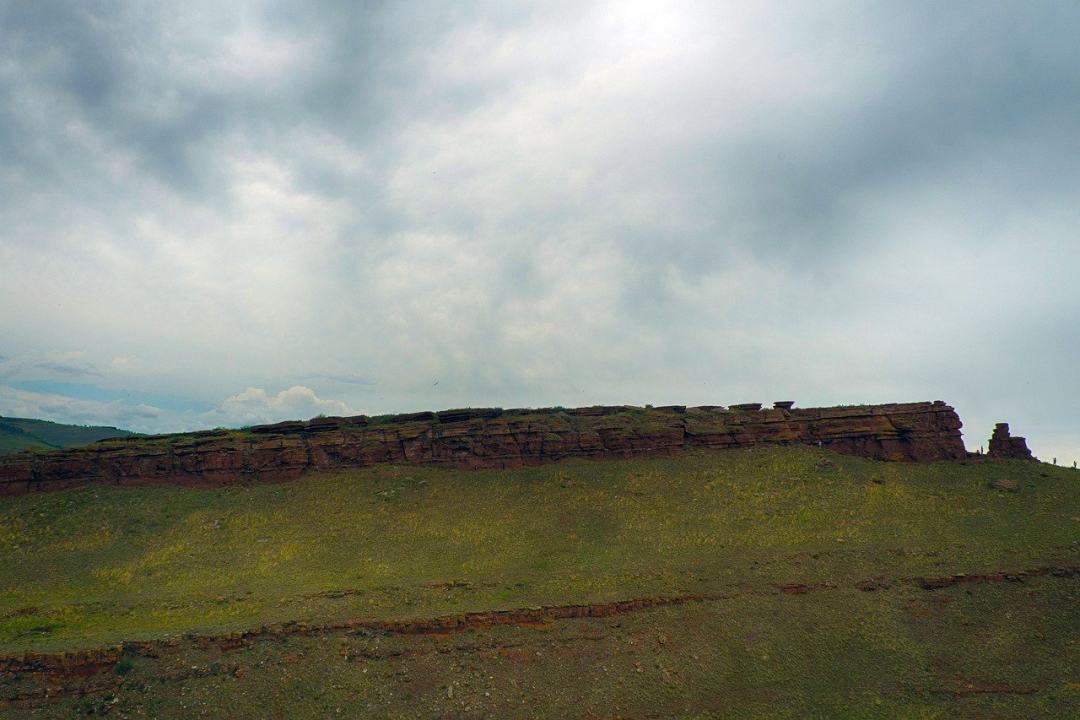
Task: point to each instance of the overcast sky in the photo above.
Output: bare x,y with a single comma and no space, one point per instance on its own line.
224,213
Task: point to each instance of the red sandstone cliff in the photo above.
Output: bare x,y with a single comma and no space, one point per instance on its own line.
485,438
1006,447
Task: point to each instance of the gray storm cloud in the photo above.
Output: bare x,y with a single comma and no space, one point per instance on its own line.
412,205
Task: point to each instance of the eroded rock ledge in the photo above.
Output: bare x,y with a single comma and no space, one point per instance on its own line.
485,438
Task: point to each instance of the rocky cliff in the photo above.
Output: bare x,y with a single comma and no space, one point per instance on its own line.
485,438
1004,446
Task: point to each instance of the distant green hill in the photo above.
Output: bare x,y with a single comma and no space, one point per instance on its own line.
17,434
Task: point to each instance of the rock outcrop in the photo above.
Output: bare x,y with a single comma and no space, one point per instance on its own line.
484,438
1004,446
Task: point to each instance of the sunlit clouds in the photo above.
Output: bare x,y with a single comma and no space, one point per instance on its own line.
218,215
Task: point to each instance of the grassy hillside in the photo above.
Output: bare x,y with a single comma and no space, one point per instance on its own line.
1000,652
17,434
806,564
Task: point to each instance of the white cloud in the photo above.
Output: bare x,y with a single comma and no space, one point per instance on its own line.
255,405
250,407
550,204
68,410
123,364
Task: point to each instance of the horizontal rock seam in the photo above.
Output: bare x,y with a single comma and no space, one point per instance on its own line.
85,662
484,438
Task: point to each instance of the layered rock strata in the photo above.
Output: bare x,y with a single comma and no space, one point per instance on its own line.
1003,446
485,438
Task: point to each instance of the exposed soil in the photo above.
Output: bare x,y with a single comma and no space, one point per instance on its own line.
60,666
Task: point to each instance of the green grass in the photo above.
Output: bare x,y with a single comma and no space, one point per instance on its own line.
97,565
90,567
18,434
1000,651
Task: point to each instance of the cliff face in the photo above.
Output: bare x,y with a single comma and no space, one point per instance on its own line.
1005,446
485,438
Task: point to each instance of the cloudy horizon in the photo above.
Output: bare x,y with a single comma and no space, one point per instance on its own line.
218,216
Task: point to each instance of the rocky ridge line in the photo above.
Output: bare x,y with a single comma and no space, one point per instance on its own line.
485,438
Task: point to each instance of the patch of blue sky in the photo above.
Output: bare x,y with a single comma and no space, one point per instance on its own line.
96,393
